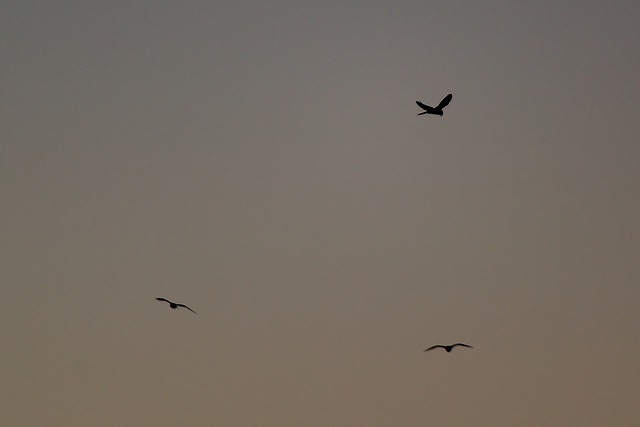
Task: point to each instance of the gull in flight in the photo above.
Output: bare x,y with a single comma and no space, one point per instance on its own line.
437,110
448,347
175,305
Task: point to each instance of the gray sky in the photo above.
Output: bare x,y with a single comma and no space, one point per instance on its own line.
262,162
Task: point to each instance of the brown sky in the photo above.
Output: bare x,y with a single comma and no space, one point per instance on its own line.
262,162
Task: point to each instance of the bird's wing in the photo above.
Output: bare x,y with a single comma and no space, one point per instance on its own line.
435,346
444,102
162,299
424,106
463,345
182,305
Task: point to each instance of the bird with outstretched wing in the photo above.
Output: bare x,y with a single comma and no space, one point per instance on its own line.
438,109
175,305
448,348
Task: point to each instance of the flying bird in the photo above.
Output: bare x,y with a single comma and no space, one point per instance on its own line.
438,110
175,305
448,347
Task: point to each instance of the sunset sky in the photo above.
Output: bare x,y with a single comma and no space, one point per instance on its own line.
263,163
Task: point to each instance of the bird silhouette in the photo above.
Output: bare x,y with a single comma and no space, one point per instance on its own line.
448,347
175,305
437,110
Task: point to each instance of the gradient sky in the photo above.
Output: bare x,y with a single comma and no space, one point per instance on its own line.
262,162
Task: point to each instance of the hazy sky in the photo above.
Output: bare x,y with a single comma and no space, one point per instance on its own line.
262,162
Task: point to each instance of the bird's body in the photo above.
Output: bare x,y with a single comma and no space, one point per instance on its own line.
448,348
437,110
175,305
